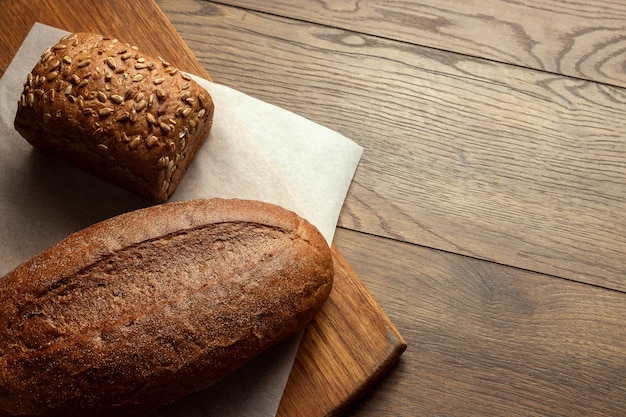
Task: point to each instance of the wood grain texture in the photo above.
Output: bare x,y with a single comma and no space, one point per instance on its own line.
364,342
489,340
462,154
138,23
579,39
323,383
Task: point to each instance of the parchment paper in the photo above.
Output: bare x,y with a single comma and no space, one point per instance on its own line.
254,151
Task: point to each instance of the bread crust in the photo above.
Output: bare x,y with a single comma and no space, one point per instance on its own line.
134,312
129,118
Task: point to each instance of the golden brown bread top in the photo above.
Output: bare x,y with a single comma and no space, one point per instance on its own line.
154,304
128,117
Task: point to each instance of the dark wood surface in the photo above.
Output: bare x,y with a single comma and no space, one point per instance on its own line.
488,214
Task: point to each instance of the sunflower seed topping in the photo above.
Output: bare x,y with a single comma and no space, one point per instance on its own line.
165,63
110,63
135,141
160,93
152,141
165,128
105,111
163,161
46,55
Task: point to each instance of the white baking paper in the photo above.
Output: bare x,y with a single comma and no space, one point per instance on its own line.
254,151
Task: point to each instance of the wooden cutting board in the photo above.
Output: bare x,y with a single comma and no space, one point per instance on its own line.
352,342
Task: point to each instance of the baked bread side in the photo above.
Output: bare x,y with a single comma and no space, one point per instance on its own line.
132,313
127,117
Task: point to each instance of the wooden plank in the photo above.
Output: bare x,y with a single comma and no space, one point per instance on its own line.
466,155
578,39
327,382
490,340
351,314
137,23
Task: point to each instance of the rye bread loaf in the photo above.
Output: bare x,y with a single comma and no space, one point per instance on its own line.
129,118
134,312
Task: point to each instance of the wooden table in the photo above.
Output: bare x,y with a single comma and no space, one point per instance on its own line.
488,215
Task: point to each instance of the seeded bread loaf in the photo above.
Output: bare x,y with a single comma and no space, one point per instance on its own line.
131,119
136,311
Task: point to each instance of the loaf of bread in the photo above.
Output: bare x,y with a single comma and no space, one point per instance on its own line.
134,312
129,118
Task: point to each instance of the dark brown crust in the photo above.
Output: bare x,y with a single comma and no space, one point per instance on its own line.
144,308
129,118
